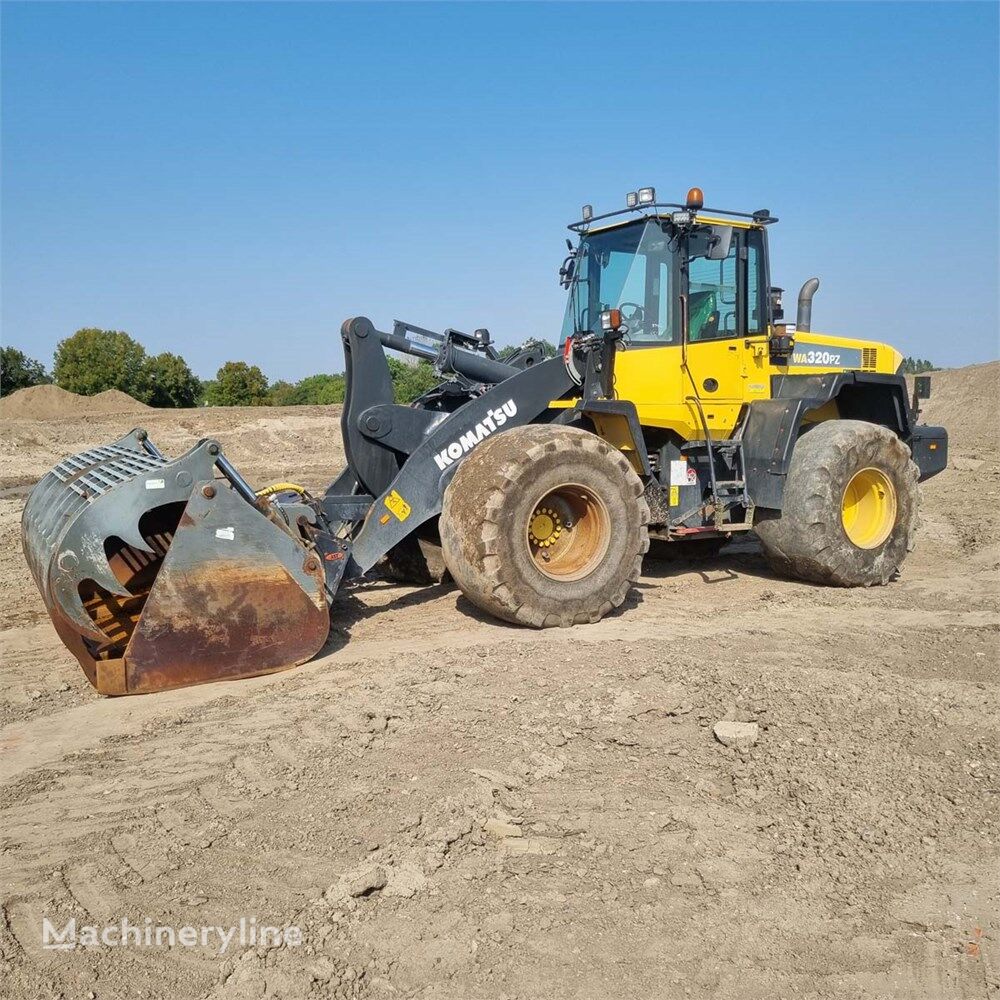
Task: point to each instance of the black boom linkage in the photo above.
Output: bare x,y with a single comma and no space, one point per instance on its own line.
401,458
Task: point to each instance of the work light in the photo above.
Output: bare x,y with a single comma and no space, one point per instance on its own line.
611,320
588,213
632,199
647,196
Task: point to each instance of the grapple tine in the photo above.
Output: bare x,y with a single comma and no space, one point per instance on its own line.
66,592
131,536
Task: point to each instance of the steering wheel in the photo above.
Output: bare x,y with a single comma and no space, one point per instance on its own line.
634,319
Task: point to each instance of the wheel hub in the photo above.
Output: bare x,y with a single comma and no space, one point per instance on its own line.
568,533
868,508
546,526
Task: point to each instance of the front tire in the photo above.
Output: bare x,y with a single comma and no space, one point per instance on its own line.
850,504
545,525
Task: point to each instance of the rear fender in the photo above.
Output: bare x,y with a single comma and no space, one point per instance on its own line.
773,425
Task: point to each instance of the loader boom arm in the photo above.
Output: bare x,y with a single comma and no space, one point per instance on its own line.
403,457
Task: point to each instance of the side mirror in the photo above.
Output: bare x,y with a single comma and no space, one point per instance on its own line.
921,390
719,242
777,308
710,242
568,271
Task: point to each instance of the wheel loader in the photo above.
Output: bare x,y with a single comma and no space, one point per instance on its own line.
681,406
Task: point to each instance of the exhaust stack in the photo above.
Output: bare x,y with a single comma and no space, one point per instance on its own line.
803,321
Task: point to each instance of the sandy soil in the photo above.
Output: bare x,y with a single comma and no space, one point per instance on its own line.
449,807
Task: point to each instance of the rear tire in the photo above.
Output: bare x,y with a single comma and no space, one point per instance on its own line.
850,505
545,525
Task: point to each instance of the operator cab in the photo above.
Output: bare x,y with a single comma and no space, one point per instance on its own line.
669,259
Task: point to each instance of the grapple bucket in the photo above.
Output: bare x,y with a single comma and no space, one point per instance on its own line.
158,575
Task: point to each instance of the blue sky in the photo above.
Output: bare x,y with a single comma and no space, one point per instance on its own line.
232,181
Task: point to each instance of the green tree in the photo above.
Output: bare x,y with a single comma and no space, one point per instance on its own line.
548,349
239,384
313,390
320,389
170,382
93,360
915,366
18,371
281,393
411,381
205,391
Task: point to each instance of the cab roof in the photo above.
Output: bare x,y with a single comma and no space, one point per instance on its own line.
639,213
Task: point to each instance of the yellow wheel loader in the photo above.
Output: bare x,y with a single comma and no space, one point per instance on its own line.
682,406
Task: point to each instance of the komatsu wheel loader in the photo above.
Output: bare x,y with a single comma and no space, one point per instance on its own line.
682,406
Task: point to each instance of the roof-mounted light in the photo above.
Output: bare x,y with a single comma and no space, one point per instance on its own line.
587,213
632,199
695,199
647,196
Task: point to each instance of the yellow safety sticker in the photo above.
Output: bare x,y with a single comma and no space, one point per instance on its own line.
398,506
675,496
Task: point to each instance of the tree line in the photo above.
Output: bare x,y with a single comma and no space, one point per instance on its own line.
94,360
916,366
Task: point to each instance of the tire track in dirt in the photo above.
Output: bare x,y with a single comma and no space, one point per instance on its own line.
649,827
439,625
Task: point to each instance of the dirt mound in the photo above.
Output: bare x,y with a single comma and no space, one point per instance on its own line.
49,402
116,401
967,402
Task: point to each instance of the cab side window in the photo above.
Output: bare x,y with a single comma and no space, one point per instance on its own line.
756,315
712,298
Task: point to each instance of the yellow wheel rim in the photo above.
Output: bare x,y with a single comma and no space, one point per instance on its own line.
868,509
568,533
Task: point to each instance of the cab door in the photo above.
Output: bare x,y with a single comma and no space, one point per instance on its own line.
727,325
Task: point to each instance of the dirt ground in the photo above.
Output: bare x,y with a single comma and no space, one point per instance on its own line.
449,807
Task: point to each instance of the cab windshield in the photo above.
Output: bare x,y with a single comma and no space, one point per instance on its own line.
631,268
